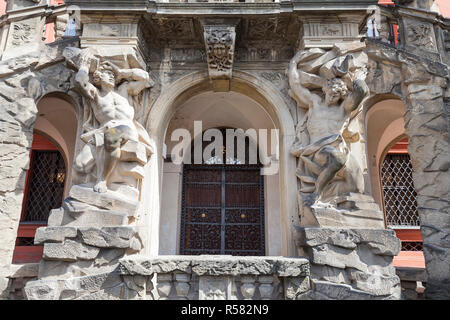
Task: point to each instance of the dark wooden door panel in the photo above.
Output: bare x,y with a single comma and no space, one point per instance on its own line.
223,210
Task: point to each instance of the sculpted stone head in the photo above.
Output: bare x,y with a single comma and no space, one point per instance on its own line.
104,77
335,90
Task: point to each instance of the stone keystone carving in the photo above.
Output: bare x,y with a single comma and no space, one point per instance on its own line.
114,143
219,43
331,90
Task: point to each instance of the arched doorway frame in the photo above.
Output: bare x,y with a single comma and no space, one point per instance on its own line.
160,115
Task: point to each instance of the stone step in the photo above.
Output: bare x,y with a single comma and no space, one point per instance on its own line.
110,200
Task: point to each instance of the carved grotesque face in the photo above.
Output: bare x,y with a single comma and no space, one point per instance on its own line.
104,78
335,90
219,50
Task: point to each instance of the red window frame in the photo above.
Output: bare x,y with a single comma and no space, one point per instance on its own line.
29,254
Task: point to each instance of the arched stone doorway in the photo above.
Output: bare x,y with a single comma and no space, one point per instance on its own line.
220,199
256,105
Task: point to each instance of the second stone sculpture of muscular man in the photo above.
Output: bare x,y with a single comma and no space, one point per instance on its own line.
113,114
326,167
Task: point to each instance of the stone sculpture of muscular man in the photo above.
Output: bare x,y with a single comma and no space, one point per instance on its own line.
113,113
322,149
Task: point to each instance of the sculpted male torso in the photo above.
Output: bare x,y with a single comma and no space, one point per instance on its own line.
321,147
113,112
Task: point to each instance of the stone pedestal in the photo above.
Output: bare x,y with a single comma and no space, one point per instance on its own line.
350,263
85,239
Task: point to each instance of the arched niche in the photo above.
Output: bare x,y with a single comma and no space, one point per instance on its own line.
218,110
243,86
57,120
385,126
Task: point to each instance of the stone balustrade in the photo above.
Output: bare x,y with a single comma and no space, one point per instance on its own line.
216,277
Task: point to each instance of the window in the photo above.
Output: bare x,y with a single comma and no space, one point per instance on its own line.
44,191
400,198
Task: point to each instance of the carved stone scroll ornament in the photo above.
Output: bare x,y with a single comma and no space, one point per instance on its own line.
331,91
115,146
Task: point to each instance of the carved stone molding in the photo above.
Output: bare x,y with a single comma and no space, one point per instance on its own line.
323,31
220,41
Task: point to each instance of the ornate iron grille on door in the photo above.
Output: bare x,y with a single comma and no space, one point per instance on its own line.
398,190
223,210
48,174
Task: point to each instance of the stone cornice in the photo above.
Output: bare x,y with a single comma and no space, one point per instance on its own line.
32,12
221,8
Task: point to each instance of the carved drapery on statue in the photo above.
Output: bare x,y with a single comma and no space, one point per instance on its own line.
330,86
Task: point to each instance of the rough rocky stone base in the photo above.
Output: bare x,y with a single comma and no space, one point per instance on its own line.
81,263
13,278
350,263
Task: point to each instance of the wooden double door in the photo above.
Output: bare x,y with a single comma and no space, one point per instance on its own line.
222,210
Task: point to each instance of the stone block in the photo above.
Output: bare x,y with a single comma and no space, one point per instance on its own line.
111,200
378,285
424,92
312,81
26,270
335,291
295,287
313,65
58,217
336,218
131,169
108,237
42,290
133,151
311,54
337,257
54,234
69,251
342,48
100,218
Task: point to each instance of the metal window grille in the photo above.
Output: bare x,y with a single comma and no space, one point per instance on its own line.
25,241
47,178
399,195
412,246
223,210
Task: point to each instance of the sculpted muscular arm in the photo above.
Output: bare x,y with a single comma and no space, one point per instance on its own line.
360,91
139,79
297,91
82,79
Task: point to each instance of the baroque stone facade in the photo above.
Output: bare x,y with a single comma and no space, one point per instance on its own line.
128,68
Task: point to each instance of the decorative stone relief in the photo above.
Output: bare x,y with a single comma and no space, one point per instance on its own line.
330,85
175,28
214,288
22,33
421,35
323,35
219,44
